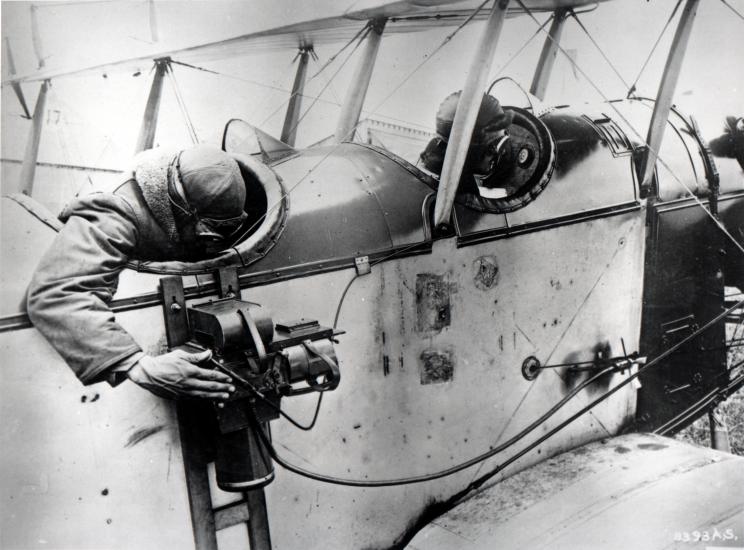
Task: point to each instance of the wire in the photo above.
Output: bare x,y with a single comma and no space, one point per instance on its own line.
351,132
733,10
716,221
343,297
364,30
442,473
254,82
573,14
477,483
436,50
632,88
246,384
181,104
520,50
559,427
367,29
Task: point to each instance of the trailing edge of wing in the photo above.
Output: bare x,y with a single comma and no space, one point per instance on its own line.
404,16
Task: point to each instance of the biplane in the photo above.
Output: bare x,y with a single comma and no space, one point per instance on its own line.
427,368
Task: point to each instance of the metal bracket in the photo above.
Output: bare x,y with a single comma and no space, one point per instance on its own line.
228,284
362,265
174,311
678,329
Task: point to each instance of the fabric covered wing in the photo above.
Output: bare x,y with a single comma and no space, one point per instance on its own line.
404,16
635,491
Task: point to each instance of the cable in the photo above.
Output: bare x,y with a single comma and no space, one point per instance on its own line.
364,30
716,221
442,473
632,88
519,51
367,30
249,81
181,104
477,483
432,54
343,297
351,132
573,14
733,10
246,384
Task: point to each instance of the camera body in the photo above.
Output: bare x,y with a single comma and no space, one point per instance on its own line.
267,362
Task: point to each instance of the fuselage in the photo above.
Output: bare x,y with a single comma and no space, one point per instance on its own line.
435,338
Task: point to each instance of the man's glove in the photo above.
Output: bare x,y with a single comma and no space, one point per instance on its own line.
176,374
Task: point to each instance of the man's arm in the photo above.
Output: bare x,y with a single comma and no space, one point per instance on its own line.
68,303
76,279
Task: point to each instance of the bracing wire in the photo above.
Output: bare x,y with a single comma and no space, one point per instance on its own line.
729,6
367,29
358,36
336,102
599,49
632,88
716,221
482,479
182,105
428,57
254,82
447,39
521,49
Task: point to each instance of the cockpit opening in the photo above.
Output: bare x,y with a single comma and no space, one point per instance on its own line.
266,206
510,159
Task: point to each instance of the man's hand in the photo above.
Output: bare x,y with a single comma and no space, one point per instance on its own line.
176,374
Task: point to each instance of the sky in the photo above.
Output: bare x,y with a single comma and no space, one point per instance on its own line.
94,121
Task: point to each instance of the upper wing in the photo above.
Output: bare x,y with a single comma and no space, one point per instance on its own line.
403,16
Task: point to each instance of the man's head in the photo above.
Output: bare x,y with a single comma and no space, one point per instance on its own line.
207,195
488,145
492,120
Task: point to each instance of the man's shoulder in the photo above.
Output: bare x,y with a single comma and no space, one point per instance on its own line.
121,197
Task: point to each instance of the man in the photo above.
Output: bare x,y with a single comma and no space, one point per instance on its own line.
488,156
181,206
731,143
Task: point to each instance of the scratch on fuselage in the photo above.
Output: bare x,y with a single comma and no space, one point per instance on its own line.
142,434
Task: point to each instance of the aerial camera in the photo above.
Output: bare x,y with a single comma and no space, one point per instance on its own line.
267,361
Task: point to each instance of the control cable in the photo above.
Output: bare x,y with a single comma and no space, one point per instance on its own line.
246,384
442,473
478,482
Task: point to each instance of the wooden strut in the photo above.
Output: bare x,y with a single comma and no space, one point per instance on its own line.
292,118
466,114
352,107
28,169
665,95
146,137
548,55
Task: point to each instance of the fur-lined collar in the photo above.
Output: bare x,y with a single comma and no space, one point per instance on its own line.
151,174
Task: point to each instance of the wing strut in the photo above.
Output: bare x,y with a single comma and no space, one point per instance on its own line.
150,118
354,100
549,52
467,112
666,91
15,85
292,118
28,169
